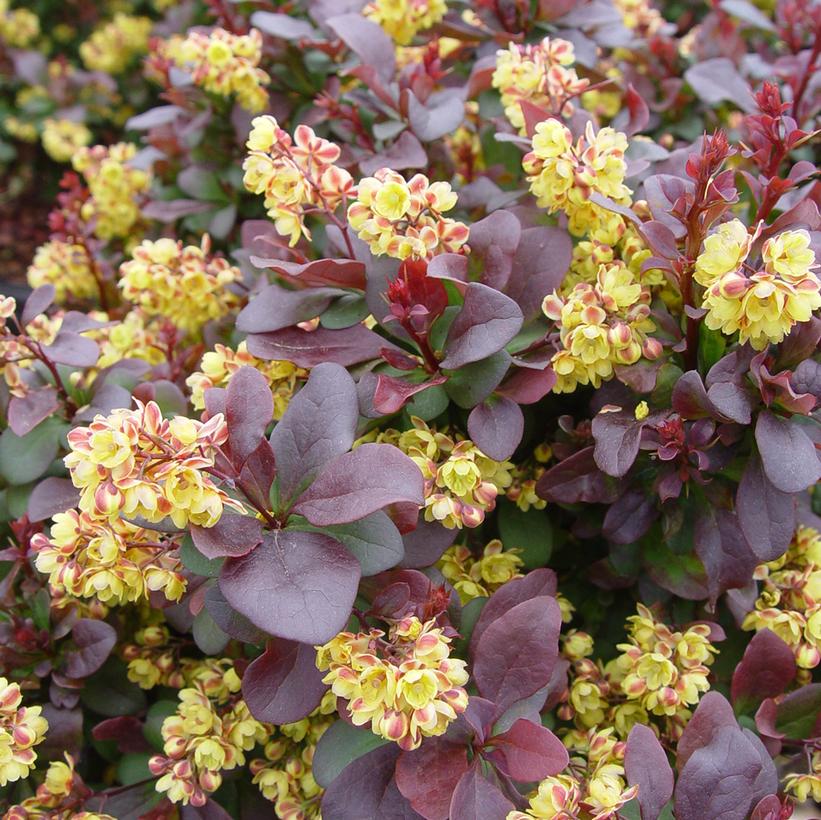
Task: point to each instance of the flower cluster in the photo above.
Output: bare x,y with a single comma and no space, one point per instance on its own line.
109,559
562,175
403,19
61,138
537,73
602,326
218,365
405,219
285,774
18,27
206,736
762,305
790,601
474,577
593,785
67,267
115,185
405,684
57,796
297,175
21,729
136,464
522,488
134,336
461,482
806,786
185,284
114,45
223,64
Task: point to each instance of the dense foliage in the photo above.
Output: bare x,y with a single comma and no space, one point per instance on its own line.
413,412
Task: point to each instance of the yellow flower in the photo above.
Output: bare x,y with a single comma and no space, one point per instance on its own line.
21,729
61,138
724,252
65,266
403,19
789,255
113,46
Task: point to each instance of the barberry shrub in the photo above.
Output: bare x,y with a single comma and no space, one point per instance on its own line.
412,410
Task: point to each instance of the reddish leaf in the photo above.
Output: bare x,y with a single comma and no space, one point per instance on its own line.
713,713
283,684
487,321
343,273
359,483
93,641
296,585
577,479
318,425
496,426
428,776
527,386
391,393
476,798
494,240
125,730
275,308
529,752
769,808
348,346
787,453
646,766
516,653
24,414
249,408
50,496
232,536
765,671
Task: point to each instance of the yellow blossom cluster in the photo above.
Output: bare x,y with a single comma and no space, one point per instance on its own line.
206,736
525,475
218,365
465,146
403,19
761,305
132,337
18,27
461,482
639,15
185,284
136,464
593,786
15,350
62,138
115,186
285,774
563,174
405,219
805,787
474,577
602,326
65,265
223,64
21,729
404,684
296,175
537,73
790,599
112,46
109,559
57,796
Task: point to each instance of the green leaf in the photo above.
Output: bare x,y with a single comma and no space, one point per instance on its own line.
666,380
207,635
41,608
18,499
193,560
470,614
429,403
711,346
339,747
133,768
799,712
530,531
346,311
23,459
110,693
157,713
474,382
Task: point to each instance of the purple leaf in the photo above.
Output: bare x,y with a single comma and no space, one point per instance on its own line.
527,386
628,518
476,798
494,240
406,152
516,654
647,767
713,713
617,435
296,585
93,641
787,453
529,752
638,114
72,349
487,321
309,348
159,115
170,210
716,80
391,393
231,537
535,584
52,495
275,308
575,479
367,40
24,414
38,302
126,731
359,483
766,515
367,789
210,810
343,273
765,671
428,776
424,545
229,620
689,398
496,426
249,408
769,808
319,424
283,26
440,114
283,684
